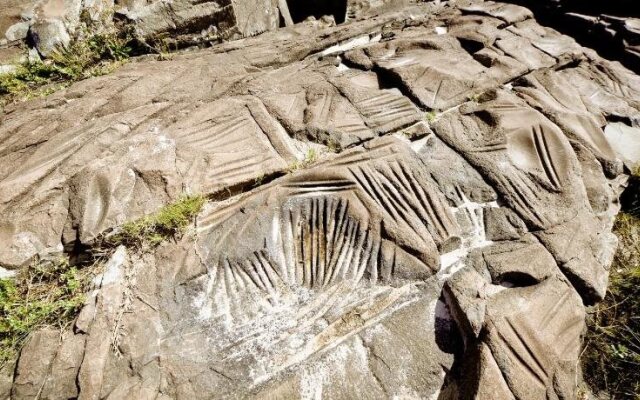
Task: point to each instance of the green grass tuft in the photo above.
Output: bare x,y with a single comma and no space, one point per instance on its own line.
430,116
475,97
96,55
611,359
169,222
43,294
259,179
333,146
309,158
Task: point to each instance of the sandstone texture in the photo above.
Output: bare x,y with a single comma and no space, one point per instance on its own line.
443,243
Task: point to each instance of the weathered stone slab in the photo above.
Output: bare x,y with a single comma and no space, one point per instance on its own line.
355,244
625,140
526,157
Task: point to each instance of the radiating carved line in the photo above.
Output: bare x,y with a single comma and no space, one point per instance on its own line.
368,253
245,280
430,204
319,185
570,335
338,239
228,280
386,107
323,190
306,254
374,191
532,372
252,270
239,163
353,128
47,155
542,149
437,92
213,134
345,241
544,375
489,148
525,207
552,312
392,198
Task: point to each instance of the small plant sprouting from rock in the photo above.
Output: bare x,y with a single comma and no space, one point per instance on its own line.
333,146
475,97
164,47
43,294
411,135
309,158
95,55
259,180
611,358
26,80
169,222
430,116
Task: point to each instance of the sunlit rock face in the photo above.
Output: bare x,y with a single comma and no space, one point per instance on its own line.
416,205
47,25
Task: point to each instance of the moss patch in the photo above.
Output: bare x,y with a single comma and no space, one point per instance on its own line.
44,294
169,222
611,358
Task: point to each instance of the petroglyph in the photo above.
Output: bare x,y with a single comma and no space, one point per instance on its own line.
416,204
525,155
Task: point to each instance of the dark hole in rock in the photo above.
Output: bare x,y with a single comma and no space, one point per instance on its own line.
303,9
517,279
621,118
630,199
447,335
32,39
471,46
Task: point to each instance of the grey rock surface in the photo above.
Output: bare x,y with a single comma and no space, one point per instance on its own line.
625,139
442,245
610,27
17,31
49,35
357,9
183,18
50,24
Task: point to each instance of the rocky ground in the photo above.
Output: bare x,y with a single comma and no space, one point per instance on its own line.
415,204
612,27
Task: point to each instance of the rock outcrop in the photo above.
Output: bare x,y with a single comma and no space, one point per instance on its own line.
50,24
610,27
444,244
47,25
